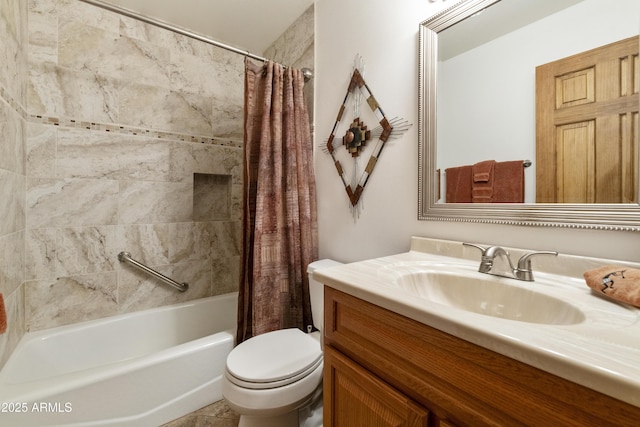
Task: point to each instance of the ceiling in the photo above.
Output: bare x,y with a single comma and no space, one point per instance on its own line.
250,25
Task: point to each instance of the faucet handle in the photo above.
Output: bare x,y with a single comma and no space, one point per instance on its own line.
525,260
524,264
473,245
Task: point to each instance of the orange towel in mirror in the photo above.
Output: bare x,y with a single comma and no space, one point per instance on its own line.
458,184
508,182
483,181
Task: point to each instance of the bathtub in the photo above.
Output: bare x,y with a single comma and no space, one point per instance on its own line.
137,369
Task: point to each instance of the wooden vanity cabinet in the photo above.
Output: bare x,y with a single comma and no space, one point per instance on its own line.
383,369
361,399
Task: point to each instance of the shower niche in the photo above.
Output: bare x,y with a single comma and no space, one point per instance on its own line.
211,197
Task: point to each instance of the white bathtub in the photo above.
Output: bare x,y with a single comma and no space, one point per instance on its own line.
138,369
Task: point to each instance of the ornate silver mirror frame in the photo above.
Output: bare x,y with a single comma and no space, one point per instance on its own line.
625,217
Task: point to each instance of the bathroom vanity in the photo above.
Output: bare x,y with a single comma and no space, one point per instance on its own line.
399,355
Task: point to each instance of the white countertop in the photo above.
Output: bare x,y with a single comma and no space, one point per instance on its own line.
602,352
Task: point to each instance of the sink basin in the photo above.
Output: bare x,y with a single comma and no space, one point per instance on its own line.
490,296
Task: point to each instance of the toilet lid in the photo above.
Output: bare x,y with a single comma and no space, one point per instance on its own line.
279,357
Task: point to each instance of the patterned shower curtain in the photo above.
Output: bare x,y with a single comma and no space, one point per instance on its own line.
280,233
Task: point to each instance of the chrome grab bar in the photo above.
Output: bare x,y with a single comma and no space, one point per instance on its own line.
126,257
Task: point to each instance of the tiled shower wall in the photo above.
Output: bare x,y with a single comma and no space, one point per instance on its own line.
126,123
13,84
116,135
108,130
295,47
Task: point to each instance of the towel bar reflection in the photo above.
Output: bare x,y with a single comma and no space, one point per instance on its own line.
525,164
126,257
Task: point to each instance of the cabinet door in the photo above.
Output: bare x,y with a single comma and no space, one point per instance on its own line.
587,126
354,397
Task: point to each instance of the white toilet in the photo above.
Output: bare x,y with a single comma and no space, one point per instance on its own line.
271,377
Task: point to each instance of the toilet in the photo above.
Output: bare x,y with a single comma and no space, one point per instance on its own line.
272,378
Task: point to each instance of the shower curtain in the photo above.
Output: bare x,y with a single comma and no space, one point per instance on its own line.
280,232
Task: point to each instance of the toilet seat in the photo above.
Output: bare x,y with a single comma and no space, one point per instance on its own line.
273,359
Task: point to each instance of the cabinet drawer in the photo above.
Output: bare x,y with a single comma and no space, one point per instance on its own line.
463,384
354,397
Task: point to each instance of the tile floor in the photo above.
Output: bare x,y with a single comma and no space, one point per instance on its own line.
217,414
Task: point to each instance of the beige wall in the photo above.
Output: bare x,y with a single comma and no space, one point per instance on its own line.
385,34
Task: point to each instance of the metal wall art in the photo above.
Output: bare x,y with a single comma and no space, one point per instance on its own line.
356,137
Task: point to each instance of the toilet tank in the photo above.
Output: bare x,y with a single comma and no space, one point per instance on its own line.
316,290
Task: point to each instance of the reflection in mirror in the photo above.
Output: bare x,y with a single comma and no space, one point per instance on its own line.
492,85
485,99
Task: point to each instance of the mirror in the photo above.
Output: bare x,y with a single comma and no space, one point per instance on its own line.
453,34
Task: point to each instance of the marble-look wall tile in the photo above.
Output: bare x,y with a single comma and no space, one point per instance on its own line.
14,306
13,78
190,241
71,202
66,300
123,114
181,161
99,154
138,291
225,273
200,74
79,154
60,92
13,52
211,197
147,243
86,250
47,6
56,252
197,274
295,47
292,44
41,150
83,47
12,135
143,202
74,10
225,118
139,30
41,258
11,262
218,160
204,240
226,239
43,34
160,108
237,202
12,207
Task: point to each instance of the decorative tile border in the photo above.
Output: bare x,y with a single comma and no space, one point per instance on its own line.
132,130
6,96
114,128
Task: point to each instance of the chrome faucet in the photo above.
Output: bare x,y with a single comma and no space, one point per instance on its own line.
521,272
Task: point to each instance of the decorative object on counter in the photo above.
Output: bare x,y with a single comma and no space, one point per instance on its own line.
3,316
616,282
357,135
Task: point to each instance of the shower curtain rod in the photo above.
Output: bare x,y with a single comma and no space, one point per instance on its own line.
158,23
